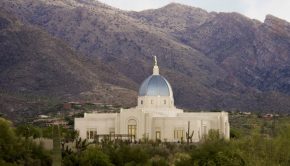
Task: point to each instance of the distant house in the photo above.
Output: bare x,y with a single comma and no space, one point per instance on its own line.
268,116
245,113
43,116
51,121
67,106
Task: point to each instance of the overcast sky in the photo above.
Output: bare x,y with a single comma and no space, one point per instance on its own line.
251,8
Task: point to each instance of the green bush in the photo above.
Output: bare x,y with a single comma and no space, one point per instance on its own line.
15,150
94,157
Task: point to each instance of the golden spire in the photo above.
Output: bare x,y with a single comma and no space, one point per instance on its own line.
155,68
155,60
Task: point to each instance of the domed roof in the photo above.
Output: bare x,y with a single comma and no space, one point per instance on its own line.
155,85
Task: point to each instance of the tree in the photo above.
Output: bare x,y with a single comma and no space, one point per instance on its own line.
15,150
94,157
213,152
28,131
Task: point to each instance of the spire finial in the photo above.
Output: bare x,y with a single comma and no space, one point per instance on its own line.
155,68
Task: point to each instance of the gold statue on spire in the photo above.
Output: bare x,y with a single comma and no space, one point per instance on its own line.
155,60
155,67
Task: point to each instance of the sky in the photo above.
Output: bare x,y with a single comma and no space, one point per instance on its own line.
256,9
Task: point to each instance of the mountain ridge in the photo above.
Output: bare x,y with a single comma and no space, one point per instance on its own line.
34,63
213,60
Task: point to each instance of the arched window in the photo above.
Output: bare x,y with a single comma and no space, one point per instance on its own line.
132,122
132,128
142,102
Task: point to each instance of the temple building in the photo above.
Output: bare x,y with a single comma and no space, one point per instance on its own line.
155,117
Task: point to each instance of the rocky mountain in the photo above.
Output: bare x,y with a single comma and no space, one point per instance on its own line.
248,49
213,60
34,63
173,18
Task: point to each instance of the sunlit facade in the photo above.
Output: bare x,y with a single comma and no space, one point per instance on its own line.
155,117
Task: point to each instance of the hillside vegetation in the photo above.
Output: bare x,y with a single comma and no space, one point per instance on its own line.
37,68
213,60
255,141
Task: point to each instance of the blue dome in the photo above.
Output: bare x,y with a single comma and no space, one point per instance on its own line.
155,85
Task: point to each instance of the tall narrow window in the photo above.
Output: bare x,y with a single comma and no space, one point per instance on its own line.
151,101
132,129
158,135
91,133
141,102
164,101
112,134
112,131
179,134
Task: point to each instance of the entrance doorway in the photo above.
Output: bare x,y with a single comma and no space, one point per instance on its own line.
132,129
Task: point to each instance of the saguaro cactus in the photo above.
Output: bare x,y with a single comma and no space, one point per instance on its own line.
189,136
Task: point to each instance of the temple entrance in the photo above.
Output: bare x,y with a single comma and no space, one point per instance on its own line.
132,129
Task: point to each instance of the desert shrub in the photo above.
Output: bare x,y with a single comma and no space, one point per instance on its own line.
234,133
15,150
94,157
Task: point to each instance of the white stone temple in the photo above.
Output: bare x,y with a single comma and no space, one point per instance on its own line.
155,117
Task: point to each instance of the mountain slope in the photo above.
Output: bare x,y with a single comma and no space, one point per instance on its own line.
124,43
213,60
33,62
255,55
